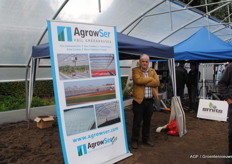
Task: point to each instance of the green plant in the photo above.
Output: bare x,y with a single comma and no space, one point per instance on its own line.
127,92
12,89
8,103
13,97
124,81
11,103
36,101
44,89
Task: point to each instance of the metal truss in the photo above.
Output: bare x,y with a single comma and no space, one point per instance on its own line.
146,14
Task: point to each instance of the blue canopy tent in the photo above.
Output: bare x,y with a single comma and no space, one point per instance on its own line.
230,43
203,46
129,48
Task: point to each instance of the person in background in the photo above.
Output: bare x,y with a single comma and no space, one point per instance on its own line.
181,80
225,90
192,84
145,84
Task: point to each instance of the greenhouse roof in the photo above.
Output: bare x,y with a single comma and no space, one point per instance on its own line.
24,23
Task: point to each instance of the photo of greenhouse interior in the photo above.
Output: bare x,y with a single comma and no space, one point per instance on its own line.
189,44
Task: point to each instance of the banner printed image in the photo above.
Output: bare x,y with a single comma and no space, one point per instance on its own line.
102,65
107,113
79,120
73,66
82,83
87,91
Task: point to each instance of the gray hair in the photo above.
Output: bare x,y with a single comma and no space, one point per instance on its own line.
144,56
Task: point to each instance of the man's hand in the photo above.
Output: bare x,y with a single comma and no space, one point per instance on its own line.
229,101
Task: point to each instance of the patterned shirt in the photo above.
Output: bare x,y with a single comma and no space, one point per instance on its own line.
148,91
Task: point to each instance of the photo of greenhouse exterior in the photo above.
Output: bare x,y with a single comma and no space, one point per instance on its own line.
73,66
87,91
169,31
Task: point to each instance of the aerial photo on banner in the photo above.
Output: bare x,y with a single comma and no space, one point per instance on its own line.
73,66
86,91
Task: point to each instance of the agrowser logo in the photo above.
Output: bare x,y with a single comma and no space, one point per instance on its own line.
87,148
83,33
64,33
81,149
212,108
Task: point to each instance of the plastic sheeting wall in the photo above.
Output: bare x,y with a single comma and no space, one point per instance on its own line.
24,21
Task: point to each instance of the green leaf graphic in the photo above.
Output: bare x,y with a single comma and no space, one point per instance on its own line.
210,105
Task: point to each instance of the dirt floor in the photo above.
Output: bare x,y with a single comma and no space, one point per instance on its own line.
24,143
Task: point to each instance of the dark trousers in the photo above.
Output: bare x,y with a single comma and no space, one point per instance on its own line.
142,114
230,128
193,98
180,92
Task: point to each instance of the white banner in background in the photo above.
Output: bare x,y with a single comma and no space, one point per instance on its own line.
213,110
89,104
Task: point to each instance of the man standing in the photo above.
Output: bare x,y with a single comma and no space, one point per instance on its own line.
145,89
193,78
181,80
225,90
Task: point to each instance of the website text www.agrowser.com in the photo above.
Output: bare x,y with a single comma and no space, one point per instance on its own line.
93,135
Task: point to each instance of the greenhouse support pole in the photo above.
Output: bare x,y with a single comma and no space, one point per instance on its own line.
29,93
203,84
141,16
34,62
171,66
194,20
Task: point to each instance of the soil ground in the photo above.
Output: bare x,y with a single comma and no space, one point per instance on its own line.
24,143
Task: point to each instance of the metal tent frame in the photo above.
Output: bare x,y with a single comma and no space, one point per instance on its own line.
224,29
131,26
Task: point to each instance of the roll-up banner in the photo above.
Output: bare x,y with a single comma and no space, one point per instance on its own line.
87,87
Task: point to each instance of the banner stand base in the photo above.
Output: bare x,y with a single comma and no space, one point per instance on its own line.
119,158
